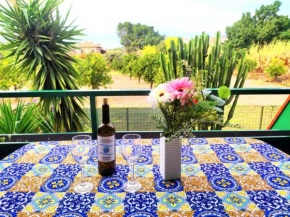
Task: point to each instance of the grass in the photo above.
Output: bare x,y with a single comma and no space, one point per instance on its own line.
264,55
138,119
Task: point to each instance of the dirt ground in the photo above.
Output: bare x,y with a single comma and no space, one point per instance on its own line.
261,99
124,82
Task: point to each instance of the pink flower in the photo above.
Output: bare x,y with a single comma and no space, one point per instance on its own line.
180,89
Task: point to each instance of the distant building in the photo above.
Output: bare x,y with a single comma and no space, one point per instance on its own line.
88,47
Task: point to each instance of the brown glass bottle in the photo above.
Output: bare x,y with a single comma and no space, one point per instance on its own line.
106,143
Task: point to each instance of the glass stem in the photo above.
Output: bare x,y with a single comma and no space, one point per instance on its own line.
83,180
132,172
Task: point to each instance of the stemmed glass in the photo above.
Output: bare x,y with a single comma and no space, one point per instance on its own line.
131,149
81,151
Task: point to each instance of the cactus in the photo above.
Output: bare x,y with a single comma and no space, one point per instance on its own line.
214,69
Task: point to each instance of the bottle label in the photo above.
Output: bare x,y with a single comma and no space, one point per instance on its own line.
106,148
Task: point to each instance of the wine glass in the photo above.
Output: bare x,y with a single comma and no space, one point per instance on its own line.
131,149
81,151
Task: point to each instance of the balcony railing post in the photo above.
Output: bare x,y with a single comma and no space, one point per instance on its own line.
94,116
261,117
127,119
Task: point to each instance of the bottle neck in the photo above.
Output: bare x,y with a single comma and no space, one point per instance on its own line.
106,114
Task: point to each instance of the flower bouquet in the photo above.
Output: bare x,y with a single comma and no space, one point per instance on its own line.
184,106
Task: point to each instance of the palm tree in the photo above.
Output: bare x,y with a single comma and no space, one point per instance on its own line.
40,40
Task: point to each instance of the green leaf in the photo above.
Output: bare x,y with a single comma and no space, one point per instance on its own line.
204,104
218,101
38,50
26,16
206,93
217,109
224,92
41,42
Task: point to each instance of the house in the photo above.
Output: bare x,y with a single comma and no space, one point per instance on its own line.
88,47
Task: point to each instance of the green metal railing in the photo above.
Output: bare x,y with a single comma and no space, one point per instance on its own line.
92,94
272,136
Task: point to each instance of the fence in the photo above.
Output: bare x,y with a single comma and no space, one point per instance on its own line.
138,119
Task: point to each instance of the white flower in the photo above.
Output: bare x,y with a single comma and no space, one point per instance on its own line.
158,94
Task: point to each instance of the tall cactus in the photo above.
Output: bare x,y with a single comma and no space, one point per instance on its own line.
215,69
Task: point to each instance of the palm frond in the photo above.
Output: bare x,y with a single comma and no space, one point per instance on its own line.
41,41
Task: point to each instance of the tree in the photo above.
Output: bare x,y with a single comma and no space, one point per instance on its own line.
130,62
10,77
149,49
243,32
115,58
269,24
136,36
284,35
40,40
94,71
150,64
262,28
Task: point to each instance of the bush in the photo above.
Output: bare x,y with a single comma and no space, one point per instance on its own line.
264,55
25,118
276,68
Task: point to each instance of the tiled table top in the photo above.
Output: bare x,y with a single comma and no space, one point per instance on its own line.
220,177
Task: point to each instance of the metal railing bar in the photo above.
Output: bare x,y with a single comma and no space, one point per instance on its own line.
144,92
147,134
94,117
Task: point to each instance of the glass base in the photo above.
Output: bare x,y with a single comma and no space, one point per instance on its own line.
84,188
132,187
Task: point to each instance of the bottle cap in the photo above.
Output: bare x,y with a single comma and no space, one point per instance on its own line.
105,101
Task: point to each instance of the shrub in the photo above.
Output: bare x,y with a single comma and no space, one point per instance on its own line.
276,68
264,55
25,118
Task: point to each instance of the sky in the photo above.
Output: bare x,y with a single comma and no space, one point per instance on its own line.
183,18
